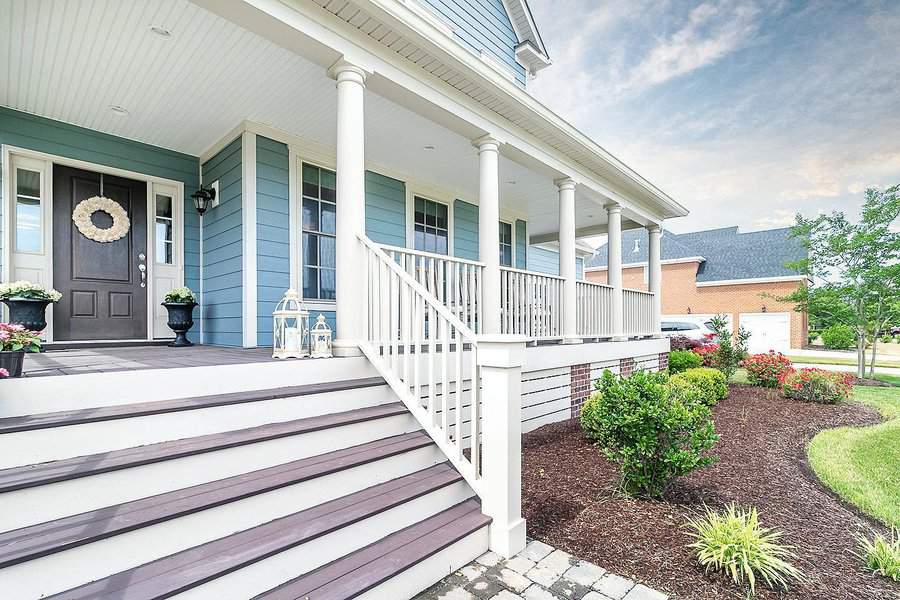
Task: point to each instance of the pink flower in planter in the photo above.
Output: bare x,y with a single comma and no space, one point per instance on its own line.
3,373
4,335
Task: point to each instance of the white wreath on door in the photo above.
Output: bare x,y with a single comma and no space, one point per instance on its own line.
82,218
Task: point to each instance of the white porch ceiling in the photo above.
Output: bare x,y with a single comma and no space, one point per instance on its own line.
71,60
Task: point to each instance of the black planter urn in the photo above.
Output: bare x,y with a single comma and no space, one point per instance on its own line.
12,361
181,319
30,314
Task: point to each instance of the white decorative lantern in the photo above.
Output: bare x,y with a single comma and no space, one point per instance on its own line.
320,337
290,328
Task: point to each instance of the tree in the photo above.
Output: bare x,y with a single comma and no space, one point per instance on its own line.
855,267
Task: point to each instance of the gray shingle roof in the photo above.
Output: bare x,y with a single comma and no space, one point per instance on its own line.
728,253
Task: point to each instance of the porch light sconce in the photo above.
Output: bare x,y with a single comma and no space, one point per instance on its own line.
203,198
689,310
764,308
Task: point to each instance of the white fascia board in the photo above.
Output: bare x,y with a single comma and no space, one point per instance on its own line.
529,57
783,279
326,35
668,261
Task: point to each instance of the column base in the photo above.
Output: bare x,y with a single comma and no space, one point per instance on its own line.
507,540
572,340
345,349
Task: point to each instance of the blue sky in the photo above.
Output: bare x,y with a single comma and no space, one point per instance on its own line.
744,111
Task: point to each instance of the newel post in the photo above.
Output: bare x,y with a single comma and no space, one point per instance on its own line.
501,359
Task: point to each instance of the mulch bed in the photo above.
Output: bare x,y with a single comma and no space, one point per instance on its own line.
570,501
871,382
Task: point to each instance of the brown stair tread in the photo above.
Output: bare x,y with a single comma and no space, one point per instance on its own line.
368,567
42,539
140,409
16,478
190,568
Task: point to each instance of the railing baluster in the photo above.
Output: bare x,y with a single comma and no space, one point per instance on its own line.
458,396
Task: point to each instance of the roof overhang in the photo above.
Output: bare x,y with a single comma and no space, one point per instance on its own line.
531,58
668,261
783,279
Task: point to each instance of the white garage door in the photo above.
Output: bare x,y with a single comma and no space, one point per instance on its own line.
768,331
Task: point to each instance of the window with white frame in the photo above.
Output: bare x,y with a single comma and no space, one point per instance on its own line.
165,230
432,229
318,233
29,226
506,244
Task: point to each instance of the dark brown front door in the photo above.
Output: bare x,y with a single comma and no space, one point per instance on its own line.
104,296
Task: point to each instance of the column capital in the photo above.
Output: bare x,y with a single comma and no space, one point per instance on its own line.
487,144
343,70
612,207
565,183
654,228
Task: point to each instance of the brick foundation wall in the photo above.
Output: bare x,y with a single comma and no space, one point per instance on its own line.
580,387
680,291
627,366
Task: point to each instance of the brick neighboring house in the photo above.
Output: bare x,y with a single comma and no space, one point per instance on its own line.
720,271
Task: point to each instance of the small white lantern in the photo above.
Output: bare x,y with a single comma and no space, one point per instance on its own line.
290,328
321,338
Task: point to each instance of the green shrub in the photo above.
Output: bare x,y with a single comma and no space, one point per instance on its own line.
649,432
682,360
839,337
732,542
881,554
731,347
702,384
817,385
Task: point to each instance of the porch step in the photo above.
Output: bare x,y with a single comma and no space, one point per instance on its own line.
313,534
376,565
83,466
48,538
140,409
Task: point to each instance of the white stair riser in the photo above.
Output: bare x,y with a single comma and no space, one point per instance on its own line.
43,445
423,575
33,395
275,570
52,501
74,567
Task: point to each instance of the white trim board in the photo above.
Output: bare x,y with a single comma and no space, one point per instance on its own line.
785,278
248,235
668,261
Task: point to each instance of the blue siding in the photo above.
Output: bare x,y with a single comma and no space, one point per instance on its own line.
62,139
521,244
223,285
273,235
385,210
546,261
483,25
465,230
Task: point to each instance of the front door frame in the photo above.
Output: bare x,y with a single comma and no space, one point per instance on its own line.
50,160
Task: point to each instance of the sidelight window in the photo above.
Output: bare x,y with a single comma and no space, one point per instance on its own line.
431,226
318,236
28,218
164,230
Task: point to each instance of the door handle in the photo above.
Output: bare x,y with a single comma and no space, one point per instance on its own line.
143,269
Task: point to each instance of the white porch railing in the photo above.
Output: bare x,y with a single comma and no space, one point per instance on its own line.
456,282
425,352
638,312
531,304
594,305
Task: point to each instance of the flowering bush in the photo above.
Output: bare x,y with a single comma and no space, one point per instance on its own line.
27,291
683,342
817,385
767,369
15,338
181,294
708,353
3,373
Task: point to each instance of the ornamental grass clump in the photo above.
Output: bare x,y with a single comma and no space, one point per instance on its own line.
682,360
652,434
732,542
881,554
767,370
817,385
705,384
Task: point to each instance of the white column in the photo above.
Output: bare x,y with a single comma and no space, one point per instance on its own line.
489,230
567,259
501,359
654,276
614,263
350,219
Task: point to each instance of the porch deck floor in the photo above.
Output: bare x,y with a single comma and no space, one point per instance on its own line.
104,360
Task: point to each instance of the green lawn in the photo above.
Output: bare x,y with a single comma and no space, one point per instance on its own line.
862,464
892,379
849,362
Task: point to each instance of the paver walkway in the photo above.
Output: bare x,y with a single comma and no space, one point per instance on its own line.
539,572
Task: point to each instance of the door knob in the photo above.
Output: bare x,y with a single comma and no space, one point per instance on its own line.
143,269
